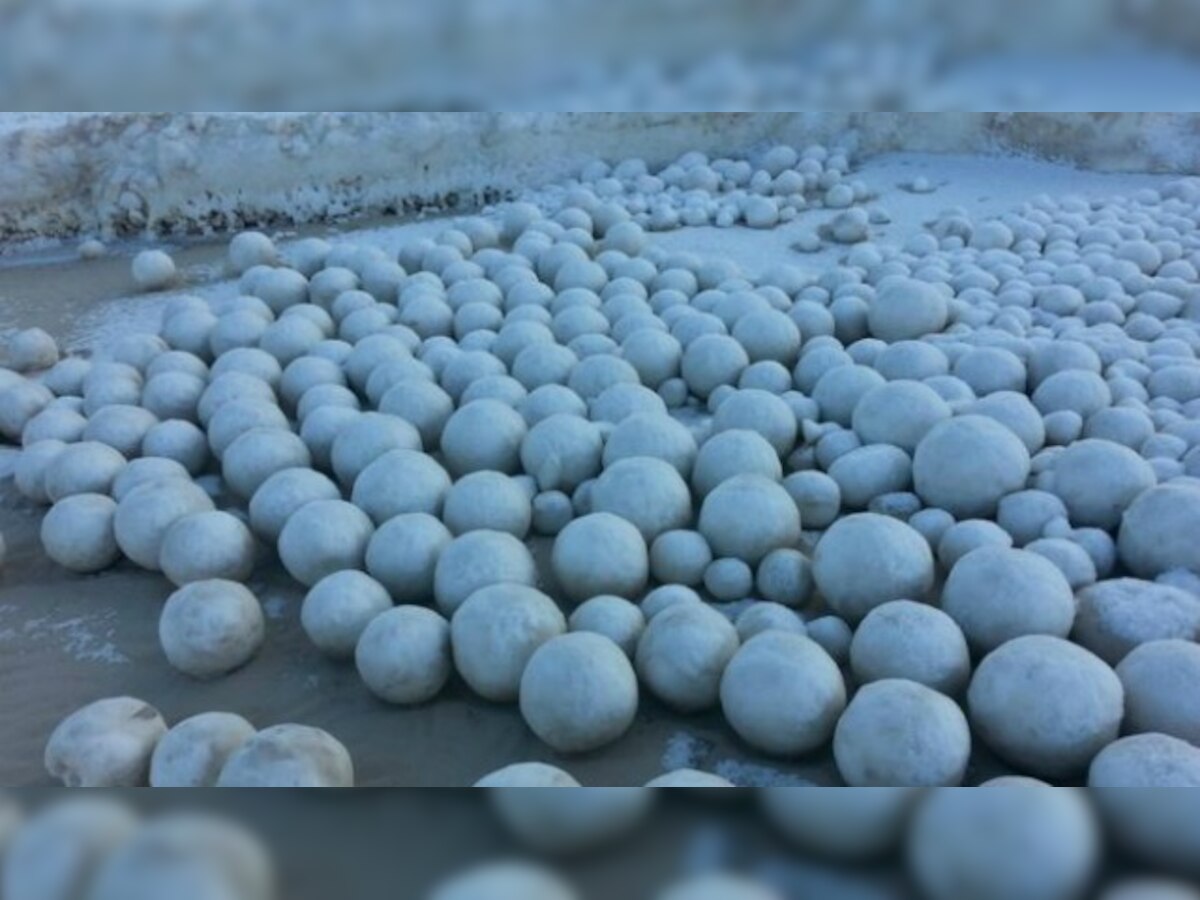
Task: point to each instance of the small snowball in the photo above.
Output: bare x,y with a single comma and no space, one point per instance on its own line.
284,493
1158,531
680,557
153,270
843,825
210,628
913,641
77,533
616,618
1118,615
728,579
403,655
747,517
600,553
146,513
31,349
905,309
965,465
1162,689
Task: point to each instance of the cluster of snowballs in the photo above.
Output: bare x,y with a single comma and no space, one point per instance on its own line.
101,848
954,843
763,190
971,462
126,742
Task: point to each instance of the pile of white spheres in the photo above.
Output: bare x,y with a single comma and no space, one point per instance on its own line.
949,489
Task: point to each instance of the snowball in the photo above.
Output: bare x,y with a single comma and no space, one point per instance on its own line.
600,553
1097,480
816,495
897,732
403,555
561,822
145,471
761,412
77,533
177,440
289,756
785,576
845,825
682,654
710,361
422,404
913,641
689,778
284,493
339,607
249,249
562,451
258,454
193,752
968,844
367,438
748,516
731,453
996,594
1045,705
1069,558
578,692
322,537
680,557
1162,688
616,618
728,579
1157,531
30,349
29,472
153,270
646,492
1025,514
1116,616
649,434
781,693
964,537
205,545
839,391
718,886
899,413
552,512
403,655
866,559
906,308
105,744
84,468
488,500
529,774
146,512
476,560
401,481
496,630
209,628
965,465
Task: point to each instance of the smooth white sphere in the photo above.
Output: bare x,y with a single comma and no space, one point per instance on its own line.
682,654
88,467
483,435
194,751
905,308
647,492
494,633
289,756
480,559
284,493
249,249
403,655
562,451
914,641
1157,531
205,545
366,439
600,553
782,693
322,537
490,501
965,465
338,608
619,620
77,533
680,557
401,481
258,454
748,516
1162,689
107,743
146,513
578,692
153,270
210,628
1097,480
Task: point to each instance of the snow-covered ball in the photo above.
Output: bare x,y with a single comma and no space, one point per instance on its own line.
600,553
680,557
905,308
1157,530
562,822
845,825
899,413
578,692
841,389
767,616
258,454
782,693
401,481
249,249
289,756
366,439
494,633
322,537
146,513
965,465
747,517
339,607
476,560
731,453
107,743
153,270
88,467
1162,689
1045,705
683,653
562,451
483,435
997,593
403,655
619,620
1037,842
866,559
897,732
647,492
194,751
527,774
19,403
1117,615
1097,480
77,533
209,628
204,545
177,440
488,500
403,553
760,411
710,361
30,349
146,470
816,495
913,641
284,493
29,472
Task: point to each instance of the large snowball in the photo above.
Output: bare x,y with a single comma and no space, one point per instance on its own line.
403,555
284,493
865,560
682,654
209,628
905,308
1162,689
146,513
1045,705
494,633
323,537
107,743
339,607
401,481
904,639
899,413
600,554
748,516
289,756
966,464
77,533
194,751
1158,531
403,655
1117,615
1097,480
476,560
782,693
648,492
206,545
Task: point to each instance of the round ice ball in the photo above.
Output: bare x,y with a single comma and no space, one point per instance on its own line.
1045,705
600,553
913,641
193,752
1117,615
153,270
204,545
322,537
339,607
682,654
647,492
619,620
479,559
403,555
578,692
209,628
1162,689
1157,531
403,655
965,465
289,756
905,308
146,513
284,493
107,743
491,501
77,533
1097,480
